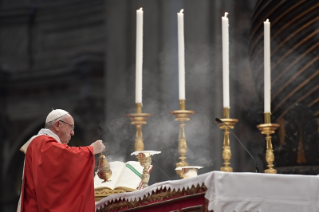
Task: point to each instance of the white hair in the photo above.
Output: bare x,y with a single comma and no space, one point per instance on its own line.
50,124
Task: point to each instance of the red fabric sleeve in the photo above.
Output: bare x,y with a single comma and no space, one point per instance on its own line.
58,177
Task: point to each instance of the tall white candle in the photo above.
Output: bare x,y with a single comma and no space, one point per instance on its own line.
267,72
139,56
225,36
181,55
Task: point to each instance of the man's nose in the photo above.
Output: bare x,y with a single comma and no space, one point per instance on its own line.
72,132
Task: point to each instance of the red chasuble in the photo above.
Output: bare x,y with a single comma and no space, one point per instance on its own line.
57,177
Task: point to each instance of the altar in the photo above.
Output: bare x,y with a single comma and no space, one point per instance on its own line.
222,192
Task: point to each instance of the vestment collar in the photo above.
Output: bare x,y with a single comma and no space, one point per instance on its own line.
41,132
49,133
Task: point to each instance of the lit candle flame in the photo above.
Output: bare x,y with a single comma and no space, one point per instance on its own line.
182,10
267,20
141,9
226,13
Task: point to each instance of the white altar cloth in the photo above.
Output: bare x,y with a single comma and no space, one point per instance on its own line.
252,192
243,192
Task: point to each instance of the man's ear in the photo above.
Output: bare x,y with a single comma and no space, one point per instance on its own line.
56,125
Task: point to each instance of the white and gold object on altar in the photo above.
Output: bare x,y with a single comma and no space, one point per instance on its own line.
267,129
104,170
226,144
189,171
182,116
145,159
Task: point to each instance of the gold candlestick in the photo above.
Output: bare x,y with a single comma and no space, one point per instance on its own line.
226,144
267,129
138,119
182,115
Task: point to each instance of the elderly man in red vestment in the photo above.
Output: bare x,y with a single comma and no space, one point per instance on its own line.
57,177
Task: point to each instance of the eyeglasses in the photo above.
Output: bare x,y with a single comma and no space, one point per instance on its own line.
70,125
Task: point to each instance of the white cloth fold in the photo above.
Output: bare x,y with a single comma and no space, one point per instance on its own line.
49,133
41,132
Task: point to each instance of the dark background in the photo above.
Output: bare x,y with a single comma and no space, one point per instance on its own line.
79,55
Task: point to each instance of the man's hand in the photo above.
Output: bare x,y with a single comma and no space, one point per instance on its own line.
98,146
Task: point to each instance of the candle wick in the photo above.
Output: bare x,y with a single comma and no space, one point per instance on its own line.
226,13
182,10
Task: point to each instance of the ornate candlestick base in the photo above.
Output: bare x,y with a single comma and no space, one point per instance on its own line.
268,129
104,171
138,119
182,115
145,159
226,144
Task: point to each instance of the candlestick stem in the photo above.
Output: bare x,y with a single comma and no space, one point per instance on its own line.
138,119
226,152
270,157
182,145
139,144
267,129
182,115
226,144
